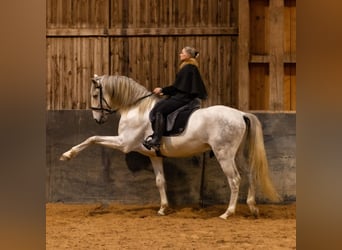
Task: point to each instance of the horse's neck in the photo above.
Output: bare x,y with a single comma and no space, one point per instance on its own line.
136,113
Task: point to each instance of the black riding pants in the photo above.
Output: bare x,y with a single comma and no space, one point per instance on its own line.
166,106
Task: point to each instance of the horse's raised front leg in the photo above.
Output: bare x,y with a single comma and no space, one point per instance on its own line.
115,142
157,164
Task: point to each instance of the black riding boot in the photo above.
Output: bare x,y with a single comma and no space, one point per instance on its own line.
153,141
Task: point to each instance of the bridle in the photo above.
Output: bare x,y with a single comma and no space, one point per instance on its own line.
109,110
103,100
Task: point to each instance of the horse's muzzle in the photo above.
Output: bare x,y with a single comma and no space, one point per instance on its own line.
101,120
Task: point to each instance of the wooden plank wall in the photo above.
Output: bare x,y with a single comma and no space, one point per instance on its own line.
267,55
140,39
247,48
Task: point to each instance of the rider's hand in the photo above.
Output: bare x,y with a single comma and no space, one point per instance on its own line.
158,91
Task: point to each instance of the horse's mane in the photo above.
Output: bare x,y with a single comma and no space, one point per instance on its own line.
126,93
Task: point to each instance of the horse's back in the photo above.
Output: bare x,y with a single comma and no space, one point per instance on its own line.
222,108
217,120
219,112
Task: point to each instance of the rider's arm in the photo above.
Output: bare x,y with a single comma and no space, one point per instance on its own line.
169,90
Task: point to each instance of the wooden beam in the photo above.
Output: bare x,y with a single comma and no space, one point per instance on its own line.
288,58
259,59
243,55
113,32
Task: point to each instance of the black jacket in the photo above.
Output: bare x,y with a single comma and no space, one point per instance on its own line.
188,84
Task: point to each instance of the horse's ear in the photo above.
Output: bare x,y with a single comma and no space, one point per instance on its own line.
93,80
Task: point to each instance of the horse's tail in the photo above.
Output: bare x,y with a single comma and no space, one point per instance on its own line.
257,157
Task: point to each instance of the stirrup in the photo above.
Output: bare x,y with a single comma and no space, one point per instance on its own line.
147,143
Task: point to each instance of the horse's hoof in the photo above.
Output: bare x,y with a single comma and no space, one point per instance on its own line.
163,210
223,216
64,158
162,213
226,215
255,212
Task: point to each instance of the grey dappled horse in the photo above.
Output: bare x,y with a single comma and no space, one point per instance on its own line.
232,135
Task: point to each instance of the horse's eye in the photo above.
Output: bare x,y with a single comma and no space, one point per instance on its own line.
95,96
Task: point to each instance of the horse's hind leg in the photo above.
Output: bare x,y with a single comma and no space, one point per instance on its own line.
228,166
252,184
251,196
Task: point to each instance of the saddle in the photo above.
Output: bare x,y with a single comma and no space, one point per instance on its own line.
177,121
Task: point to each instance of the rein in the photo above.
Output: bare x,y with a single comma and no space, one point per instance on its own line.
143,97
109,109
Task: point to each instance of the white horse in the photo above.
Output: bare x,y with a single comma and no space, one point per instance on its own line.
232,135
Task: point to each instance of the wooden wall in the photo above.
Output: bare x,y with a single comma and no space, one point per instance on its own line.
267,55
139,39
247,48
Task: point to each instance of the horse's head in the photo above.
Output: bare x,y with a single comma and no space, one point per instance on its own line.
119,92
99,105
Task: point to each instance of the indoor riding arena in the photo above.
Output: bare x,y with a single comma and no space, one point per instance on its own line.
107,199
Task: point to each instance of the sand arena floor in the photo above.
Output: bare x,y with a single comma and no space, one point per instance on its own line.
115,226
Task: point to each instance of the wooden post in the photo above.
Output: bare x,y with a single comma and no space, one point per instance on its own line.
276,36
243,55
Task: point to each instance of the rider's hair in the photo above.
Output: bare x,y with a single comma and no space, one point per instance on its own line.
191,51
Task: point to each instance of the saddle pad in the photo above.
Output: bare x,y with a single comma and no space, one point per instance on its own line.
176,122
180,123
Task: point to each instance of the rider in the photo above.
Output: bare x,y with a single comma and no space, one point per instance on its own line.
187,86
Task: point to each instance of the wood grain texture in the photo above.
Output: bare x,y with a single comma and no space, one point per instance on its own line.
139,39
143,38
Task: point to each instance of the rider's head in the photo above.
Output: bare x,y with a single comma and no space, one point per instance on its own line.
188,52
